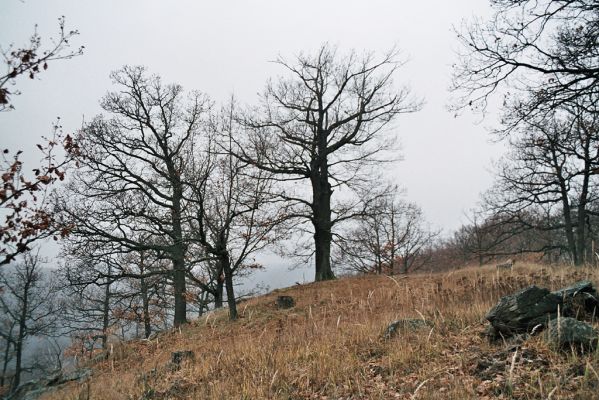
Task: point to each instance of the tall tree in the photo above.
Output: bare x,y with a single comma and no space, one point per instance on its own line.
235,216
548,180
131,185
324,124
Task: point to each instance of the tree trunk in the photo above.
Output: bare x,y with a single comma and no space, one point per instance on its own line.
566,212
179,273
146,308
179,293
393,241
21,335
226,263
106,315
581,235
378,251
322,243
218,295
5,361
321,191
582,209
179,247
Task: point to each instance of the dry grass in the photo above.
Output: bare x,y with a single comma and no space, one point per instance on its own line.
329,346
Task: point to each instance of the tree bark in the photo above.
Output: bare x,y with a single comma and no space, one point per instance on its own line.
226,263
179,293
5,361
146,308
106,315
321,200
21,335
178,252
582,206
566,210
321,190
218,295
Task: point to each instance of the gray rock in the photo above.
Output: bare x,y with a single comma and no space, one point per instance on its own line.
285,302
177,357
409,324
566,332
578,287
580,296
34,389
524,310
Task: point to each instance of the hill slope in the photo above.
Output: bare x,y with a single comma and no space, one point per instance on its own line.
330,346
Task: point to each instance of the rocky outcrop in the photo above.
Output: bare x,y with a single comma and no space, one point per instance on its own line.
532,308
523,311
560,313
34,389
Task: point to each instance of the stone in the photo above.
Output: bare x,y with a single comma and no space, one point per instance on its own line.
411,324
566,332
580,297
177,357
36,388
524,310
578,287
285,302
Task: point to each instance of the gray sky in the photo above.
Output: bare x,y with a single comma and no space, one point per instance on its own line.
221,47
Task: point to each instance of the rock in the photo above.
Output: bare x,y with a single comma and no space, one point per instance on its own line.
566,332
411,324
579,297
177,357
524,310
34,389
578,287
78,375
285,302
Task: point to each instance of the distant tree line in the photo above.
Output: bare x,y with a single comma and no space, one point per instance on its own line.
541,59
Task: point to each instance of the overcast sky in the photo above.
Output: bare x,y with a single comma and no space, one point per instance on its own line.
223,47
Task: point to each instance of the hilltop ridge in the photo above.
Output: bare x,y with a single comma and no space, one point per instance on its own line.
330,345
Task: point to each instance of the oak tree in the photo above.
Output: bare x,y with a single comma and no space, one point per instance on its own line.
318,129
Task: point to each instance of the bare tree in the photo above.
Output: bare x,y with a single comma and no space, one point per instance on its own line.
390,238
547,182
110,290
324,125
28,304
235,216
131,190
541,53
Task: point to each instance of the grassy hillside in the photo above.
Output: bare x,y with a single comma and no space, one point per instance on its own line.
330,346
